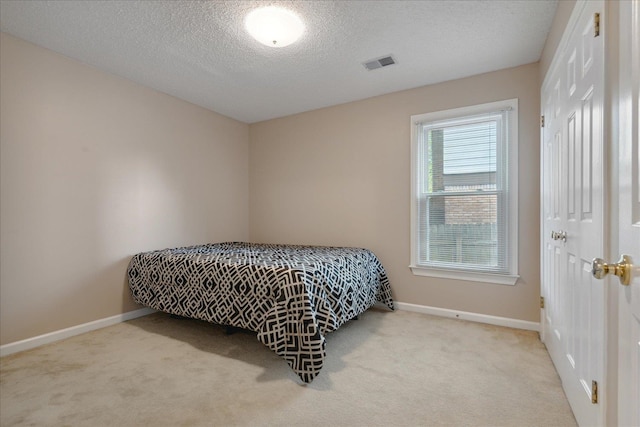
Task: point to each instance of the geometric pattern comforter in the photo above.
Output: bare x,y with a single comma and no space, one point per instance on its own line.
291,295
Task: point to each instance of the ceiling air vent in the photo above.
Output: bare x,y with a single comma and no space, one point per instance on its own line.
379,63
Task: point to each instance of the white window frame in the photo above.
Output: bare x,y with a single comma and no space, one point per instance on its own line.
417,121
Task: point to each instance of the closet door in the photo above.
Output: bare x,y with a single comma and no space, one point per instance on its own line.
572,212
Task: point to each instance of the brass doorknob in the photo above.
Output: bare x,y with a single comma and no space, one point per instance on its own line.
622,269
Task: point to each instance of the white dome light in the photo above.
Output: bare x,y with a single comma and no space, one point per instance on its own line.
274,26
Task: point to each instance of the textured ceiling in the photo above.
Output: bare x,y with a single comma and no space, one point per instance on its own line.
199,51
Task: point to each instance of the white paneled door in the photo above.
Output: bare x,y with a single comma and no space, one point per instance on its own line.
577,191
573,212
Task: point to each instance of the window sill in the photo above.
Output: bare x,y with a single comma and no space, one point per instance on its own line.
497,279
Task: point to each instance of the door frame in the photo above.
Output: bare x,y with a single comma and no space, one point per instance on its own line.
623,24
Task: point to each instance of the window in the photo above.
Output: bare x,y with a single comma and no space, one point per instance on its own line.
464,193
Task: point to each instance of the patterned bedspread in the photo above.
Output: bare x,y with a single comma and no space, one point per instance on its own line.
292,296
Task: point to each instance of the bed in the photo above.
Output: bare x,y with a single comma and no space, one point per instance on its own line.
290,295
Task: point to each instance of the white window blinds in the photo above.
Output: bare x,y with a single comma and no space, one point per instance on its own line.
461,193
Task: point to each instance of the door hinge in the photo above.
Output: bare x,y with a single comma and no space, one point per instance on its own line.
541,302
541,121
596,24
594,391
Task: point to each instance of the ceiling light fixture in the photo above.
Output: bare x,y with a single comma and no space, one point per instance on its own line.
274,26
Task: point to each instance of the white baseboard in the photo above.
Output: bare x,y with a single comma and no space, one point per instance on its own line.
34,342
472,317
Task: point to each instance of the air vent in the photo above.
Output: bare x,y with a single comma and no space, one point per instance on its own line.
374,64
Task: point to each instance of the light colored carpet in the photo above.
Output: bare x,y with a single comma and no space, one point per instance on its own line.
386,369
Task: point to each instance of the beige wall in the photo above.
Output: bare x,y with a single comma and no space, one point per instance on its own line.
341,176
95,168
